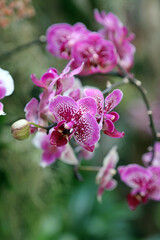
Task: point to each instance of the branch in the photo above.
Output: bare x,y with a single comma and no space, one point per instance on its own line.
129,79
41,39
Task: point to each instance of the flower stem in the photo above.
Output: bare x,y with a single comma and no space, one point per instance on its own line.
89,168
43,127
5,55
129,79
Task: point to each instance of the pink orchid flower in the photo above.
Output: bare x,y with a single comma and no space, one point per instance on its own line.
75,119
98,54
145,183
105,116
116,32
62,37
51,153
147,157
63,82
6,86
106,172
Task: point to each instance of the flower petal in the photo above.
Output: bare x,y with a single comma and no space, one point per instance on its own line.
87,132
1,109
63,108
2,91
134,175
7,81
68,156
87,105
98,96
113,99
58,139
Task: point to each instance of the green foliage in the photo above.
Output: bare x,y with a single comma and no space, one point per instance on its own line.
47,204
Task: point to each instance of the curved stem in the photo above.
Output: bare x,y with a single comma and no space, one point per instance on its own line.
143,93
7,54
46,128
112,86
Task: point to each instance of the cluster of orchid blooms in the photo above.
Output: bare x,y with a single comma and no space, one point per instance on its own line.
68,118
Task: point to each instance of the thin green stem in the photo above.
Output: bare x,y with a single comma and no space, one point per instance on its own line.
89,168
143,93
112,86
5,55
43,127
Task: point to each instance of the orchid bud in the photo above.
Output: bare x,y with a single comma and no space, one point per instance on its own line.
20,129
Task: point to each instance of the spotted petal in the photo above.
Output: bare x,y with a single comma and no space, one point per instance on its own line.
63,108
87,132
87,105
98,96
113,99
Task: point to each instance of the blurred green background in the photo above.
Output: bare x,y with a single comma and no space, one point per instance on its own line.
50,204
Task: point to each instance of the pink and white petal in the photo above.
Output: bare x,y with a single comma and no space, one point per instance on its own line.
2,91
87,132
112,184
98,96
31,110
75,94
38,139
134,175
112,158
63,108
1,109
68,156
87,105
67,83
47,158
154,184
146,158
113,99
7,81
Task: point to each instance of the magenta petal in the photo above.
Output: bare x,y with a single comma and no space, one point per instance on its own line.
48,158
31,110
63,108
134,175
87,132
48,77
113,99
37,82
154,185
58,139
134,201
98,96
115,115
114,134
2,92
87,105
108,126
